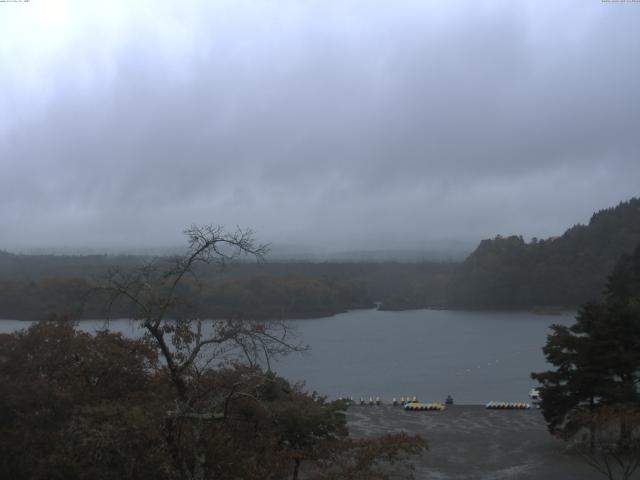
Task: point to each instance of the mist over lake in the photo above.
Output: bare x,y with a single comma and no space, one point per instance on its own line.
473,356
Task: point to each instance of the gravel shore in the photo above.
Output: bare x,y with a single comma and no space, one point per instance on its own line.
469,442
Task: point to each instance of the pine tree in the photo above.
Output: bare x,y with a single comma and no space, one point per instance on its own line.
596,360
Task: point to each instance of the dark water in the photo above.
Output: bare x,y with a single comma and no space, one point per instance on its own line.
474,356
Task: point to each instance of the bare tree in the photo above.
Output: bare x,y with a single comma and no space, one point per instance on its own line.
612,444
157,295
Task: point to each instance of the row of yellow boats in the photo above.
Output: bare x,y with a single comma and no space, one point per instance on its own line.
508,405
413,404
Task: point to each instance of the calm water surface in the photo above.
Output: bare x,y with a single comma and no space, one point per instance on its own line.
474,356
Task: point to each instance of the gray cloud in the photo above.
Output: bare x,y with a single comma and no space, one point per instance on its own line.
345,124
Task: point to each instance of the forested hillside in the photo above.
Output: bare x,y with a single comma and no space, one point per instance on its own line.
31,287
502,273
564,271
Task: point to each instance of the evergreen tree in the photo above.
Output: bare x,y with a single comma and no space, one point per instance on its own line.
597,360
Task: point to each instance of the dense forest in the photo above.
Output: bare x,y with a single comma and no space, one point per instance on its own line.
504,273
564,271
33,286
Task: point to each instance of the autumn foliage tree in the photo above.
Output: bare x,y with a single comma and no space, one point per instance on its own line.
81,406
191,399
55,380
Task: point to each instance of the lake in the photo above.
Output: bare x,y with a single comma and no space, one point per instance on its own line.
473,356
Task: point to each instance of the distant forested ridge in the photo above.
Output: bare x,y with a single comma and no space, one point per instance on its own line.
564,271
34,286
502,273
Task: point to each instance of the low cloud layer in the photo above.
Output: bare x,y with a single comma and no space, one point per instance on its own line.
342,125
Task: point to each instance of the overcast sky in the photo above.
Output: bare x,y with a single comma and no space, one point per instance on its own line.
336,124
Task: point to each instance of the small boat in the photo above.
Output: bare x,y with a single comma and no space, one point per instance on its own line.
534,395
417,406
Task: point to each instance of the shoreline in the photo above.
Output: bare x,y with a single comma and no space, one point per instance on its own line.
330,314
470,442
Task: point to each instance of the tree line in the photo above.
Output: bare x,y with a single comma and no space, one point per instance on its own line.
502,273
564,271
33,286
189,400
